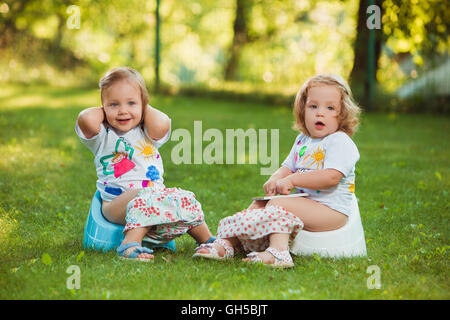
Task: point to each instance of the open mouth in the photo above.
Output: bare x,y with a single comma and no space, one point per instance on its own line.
319,124
123,121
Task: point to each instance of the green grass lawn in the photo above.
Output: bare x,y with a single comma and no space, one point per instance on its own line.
47,180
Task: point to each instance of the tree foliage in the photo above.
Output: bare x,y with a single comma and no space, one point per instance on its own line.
268,43
417,27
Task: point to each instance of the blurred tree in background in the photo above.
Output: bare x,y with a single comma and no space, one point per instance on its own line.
416,31
263,46
360,77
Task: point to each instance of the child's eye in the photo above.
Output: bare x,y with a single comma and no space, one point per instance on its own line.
312,106
330,108
113,104
131,103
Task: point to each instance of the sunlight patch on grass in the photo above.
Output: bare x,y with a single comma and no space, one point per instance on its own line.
24,101
8,225
9,91
30,154
30,99
24,151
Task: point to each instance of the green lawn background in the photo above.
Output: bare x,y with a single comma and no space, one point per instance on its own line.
47,180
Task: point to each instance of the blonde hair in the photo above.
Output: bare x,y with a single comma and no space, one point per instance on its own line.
350,111
121,73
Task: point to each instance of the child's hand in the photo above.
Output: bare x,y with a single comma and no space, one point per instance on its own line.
89,121
270,187
284,185
156,122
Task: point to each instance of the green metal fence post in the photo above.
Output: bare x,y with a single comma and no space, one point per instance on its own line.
371,65
157,46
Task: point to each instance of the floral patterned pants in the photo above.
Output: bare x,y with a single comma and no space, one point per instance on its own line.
170,212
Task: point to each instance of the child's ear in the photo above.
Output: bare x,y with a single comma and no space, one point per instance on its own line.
143,113
105,121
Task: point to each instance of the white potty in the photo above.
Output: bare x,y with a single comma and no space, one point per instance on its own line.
347,241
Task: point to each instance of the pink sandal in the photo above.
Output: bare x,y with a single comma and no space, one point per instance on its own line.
213,253
283,259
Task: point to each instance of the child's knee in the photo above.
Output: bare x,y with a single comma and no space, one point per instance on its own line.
258,204
275,202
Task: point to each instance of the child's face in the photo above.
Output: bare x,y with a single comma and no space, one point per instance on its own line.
123,106
322,109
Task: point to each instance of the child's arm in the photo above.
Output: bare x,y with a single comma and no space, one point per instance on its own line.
89,121
315,180
270,187
156,122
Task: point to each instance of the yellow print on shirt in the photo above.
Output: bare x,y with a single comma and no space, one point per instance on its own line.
147,149
351,186
316,158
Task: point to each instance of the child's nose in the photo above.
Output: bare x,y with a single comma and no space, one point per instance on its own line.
122,109
320,111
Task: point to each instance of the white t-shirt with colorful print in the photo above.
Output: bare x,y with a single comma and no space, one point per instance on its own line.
125,161
335,151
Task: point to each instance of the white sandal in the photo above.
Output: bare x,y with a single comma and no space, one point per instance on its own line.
213,253
283,259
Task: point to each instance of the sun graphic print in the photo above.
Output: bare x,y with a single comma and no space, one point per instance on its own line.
351,186
316,158
147,149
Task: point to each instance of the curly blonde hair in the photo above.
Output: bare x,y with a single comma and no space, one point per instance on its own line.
350,111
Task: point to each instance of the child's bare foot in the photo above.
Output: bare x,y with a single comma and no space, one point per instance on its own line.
134,251
143,255
266,257
272,258
218,250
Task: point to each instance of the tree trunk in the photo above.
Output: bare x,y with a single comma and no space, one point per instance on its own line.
240,38
8,28
359,80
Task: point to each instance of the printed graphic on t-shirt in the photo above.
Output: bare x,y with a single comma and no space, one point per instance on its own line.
315,158
120,161
147,149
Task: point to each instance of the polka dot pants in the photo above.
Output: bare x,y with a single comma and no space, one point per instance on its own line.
253,227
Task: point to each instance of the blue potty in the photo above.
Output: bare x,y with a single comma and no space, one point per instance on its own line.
102,235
